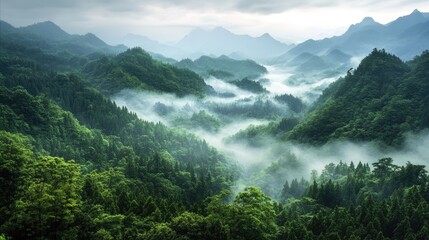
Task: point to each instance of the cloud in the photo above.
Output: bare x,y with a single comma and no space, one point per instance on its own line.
170,20
246,6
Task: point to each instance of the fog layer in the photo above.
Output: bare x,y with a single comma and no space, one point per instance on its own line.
273,162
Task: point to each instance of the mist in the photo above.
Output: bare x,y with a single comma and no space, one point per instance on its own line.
272,162
270,165
306,86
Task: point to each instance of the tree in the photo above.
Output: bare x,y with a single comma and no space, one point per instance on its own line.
253,216
48,200
383,168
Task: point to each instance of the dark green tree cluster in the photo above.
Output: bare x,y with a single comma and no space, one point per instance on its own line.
256,136
73,165
381,100
249,85
135,69
353,202
115,177
251,215
200,120
261,109
295,104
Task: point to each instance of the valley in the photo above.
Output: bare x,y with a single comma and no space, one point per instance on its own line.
217,136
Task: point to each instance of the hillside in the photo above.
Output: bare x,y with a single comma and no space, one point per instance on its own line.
135,69
98,142
51,38
383,99
223,67
62,139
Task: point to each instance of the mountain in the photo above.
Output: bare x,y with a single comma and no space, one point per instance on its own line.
415,36
65,149
149,45
220,41
5,27
312,63
362,37
47,30
381,100
403,23
162,58
52,39
365,24
337,56
223,67
136,69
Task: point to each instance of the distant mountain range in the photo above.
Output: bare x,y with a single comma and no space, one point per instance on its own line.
150,45
216,42
220,41
51,38
405,37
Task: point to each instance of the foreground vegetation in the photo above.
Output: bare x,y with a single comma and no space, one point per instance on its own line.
73,165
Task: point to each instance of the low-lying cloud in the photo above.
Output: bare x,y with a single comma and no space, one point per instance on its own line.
270,162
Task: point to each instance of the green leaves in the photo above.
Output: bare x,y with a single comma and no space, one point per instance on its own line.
135,69
382,100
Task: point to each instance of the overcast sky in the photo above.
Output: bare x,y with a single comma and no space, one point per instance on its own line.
170,20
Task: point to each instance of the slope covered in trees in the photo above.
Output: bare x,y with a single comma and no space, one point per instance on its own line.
136,69
223,67
73,165
52,39
113,177
381,100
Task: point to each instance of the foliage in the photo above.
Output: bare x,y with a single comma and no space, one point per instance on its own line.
200,120
353,202
135,69
129,174
223,67
381,100
73,165
294,103
249,85
259,135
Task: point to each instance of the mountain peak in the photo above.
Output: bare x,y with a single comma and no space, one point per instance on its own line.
46,25
47,29
368,20
266,35
220,30
92,39
416,11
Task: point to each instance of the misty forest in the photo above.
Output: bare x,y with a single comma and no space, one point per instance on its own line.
217,136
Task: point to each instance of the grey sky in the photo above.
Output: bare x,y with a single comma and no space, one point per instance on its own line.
170,20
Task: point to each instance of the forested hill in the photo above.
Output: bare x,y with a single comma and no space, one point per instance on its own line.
136,69
381,100
52,39
223,67
74,165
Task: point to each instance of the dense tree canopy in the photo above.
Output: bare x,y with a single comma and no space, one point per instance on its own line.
74,165
135,69
381,100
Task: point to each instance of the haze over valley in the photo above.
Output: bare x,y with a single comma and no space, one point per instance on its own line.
217,129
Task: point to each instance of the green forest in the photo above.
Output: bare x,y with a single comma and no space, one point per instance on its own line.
380,100
75,165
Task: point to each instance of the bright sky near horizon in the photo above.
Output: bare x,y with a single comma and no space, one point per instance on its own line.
171,20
